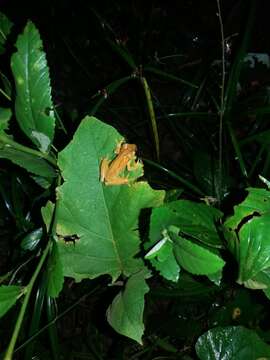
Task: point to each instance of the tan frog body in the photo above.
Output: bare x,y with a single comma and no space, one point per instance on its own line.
110,169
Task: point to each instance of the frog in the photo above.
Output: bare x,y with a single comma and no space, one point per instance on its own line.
125,159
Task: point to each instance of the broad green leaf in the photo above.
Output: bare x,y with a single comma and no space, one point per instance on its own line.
5,115
248,240
257,201
55,273
5,28
33,104
31,163
198,220
102,220
254,248
193,219
8,297
125,314
195,258
231,343
31,240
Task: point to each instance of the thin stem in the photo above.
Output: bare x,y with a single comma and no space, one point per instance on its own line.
5,94
8,141
10,349
175,176
222,92
151,113
58,317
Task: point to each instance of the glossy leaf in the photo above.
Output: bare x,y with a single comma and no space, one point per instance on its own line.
126,311
254,249
5,28
257,201
231,343
8,297
31,240
97,224
249,225
33,104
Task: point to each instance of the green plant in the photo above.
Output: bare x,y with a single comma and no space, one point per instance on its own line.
66,223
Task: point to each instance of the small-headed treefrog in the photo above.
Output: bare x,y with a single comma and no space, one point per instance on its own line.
125,159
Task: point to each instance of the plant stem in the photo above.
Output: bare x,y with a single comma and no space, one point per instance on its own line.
8,141
222,93
175,176
151,112
5,94
10,349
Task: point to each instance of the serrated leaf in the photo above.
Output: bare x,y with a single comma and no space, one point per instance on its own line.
5,28
8,297
33,99
231,343
31,163
125,314
195,258
102,220
5,115
31,240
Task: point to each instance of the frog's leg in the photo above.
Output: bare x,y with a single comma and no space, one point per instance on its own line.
133,166
104,167
116,181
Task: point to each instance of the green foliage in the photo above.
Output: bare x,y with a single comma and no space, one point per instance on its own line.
126,311
5,28
169,265
217,343
107,240
33,104
8,297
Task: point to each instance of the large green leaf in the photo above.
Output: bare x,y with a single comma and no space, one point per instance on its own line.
231,343
195,258
8,297
254,249
195,220
33,100
126,312
5,28
97,225
247,234
256,202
